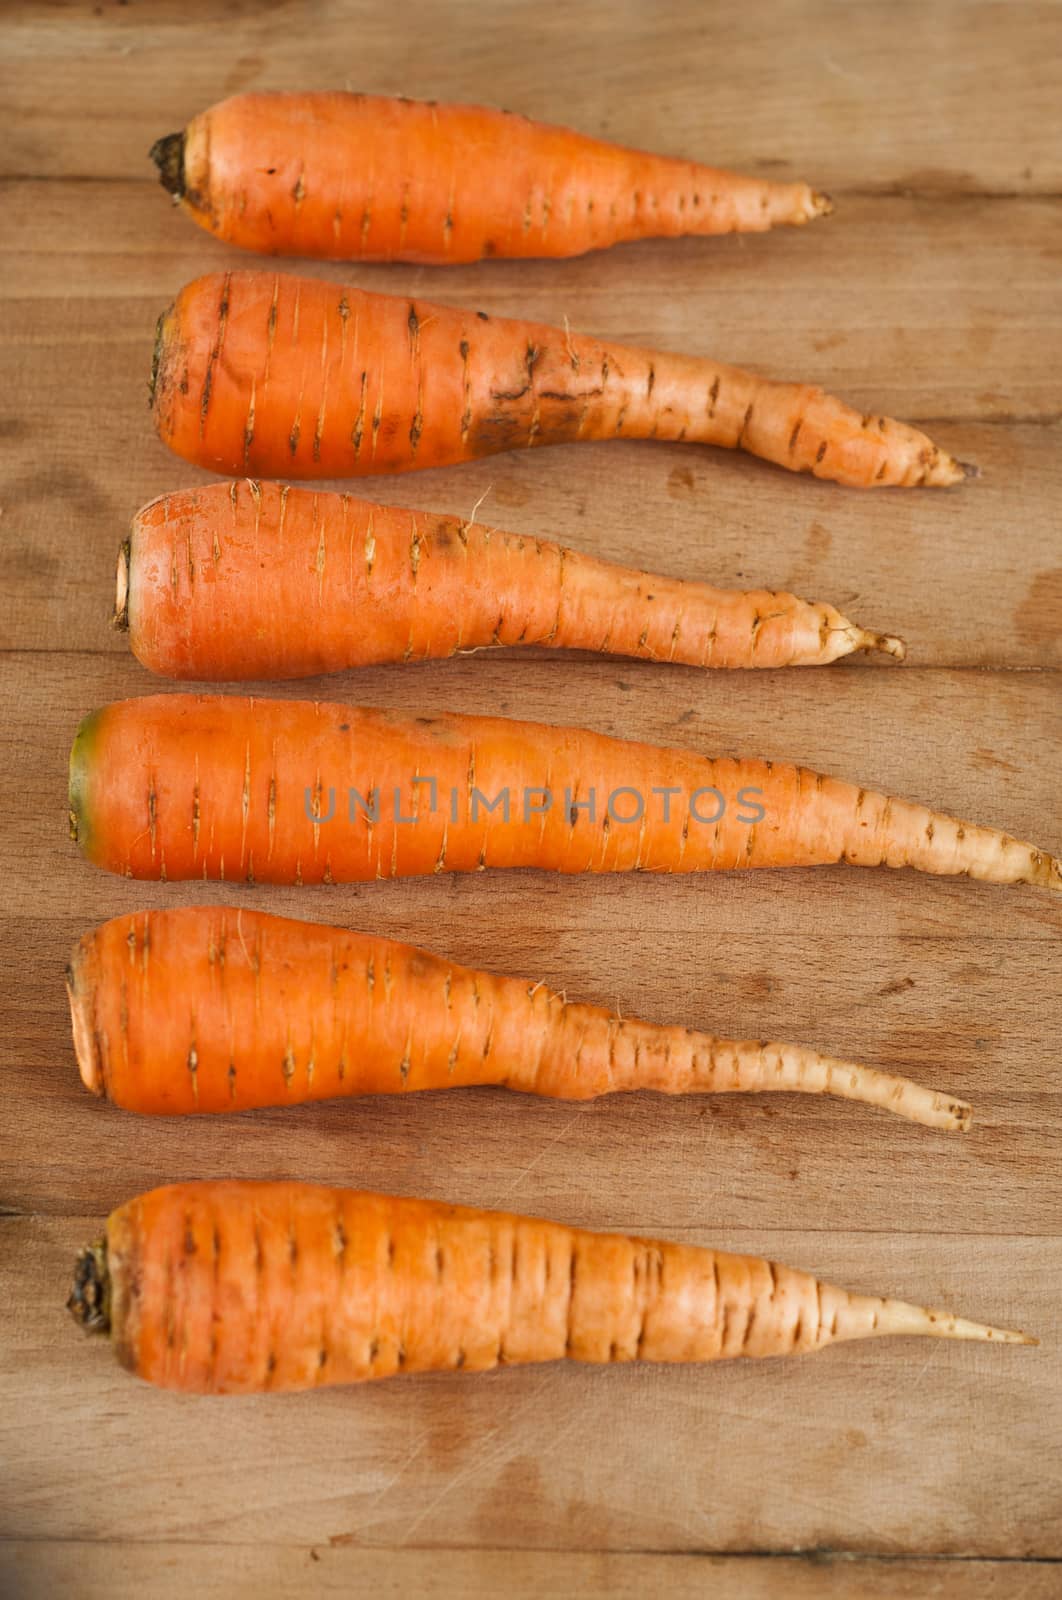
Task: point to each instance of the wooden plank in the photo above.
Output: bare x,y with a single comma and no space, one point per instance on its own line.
686,511
936,95
741,1161
954,982
966,577
970,743
96,1571
914,324
980,745
864,1448
928,295
941,1010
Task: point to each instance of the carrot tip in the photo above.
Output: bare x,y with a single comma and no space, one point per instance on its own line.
1051,876
890,644
945,471
963,1328
980,1332
897,1317
821,204
960,1116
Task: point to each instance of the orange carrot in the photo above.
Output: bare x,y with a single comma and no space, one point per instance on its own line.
256,580
238,1288
357,177
260,374
210,1008
282,791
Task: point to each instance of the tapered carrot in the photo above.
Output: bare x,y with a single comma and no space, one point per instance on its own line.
181,786
237,1288
256,580
210,1008
260,374
358,177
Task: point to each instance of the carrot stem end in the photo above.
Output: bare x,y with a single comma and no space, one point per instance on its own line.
120,620
89,1302
168,156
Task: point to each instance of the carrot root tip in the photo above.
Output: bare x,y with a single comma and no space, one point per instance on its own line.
897,1317
890,644
961,1328
821,204
945,471
120,620
89,1302
168,156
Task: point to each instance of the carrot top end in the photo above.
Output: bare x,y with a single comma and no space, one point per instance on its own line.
168,156
120,620
86,1047
82,753
89,1302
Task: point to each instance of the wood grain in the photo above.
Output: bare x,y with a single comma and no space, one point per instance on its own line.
932,294
945,96
894,331
97,1571
967,577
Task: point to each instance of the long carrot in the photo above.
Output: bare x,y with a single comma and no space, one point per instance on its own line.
260,374
190,786
238,1288
357,177
256,580
210,1008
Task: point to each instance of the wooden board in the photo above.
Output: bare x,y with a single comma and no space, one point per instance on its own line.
890,1469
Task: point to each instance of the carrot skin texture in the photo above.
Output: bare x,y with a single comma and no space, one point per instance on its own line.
261,580
213,1009
241,1288
263,374
354,177
271,791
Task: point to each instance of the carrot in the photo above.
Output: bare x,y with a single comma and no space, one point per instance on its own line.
357,177
260,374
281,791
210,1008
238,1288
256,580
